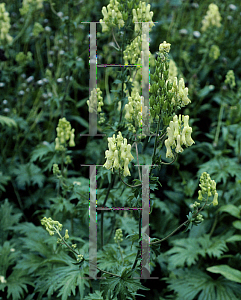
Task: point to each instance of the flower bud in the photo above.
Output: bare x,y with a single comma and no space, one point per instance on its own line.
71,141
66,234
215,199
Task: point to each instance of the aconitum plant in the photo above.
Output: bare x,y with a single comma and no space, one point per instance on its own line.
155,189
170,131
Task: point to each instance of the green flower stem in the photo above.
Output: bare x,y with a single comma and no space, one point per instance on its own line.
214,225
19,199
155,144
52,8
115,41
62,163
131,186
139,251
102,212
107,90
26,24
120,252
122,71
109,273
163,163
220,116
137,158
39,57
68,81
65,93
184,223
62,239
48,49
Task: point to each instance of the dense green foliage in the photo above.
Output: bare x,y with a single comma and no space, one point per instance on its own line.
44,76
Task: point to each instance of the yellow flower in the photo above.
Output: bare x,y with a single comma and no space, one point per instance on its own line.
71,141
212,17
66,234
178,148
169,150
116,160
164,47
215,199
126,169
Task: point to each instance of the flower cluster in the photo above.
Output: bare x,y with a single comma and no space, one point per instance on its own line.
95,101
51,225
132,53
80,257
214,52
133,110
173,72
230,79
56,170
4,25
23,59
112,16
118,236
212,18
142,14
164,47
37,29
55,227
160,100
208,188
119,154
2,279
180,92
167,94
179,133
64,133
36,4
66,236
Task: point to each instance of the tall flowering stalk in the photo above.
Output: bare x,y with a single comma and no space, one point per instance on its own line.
212,18
5,38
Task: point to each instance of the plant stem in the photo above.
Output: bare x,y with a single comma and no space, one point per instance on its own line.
155,144
19,199
39,57
164,163
102,212
122,70
137,158
68,80
138,252
26,24
64,241
184,223
131,186
120,253
214,225
78,253
109,273
220,116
